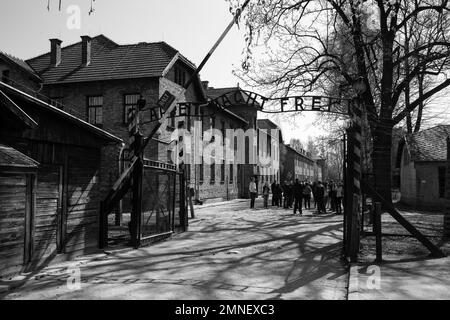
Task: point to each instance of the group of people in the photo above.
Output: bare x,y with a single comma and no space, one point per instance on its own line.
328,195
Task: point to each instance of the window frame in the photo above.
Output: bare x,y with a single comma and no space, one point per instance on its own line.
57,102
125,105
96,107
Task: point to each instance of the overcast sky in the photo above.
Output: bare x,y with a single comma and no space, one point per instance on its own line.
191,26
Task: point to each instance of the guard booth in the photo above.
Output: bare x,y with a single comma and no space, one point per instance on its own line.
162,208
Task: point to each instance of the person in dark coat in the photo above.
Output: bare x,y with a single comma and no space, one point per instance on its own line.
277,193
274,196
285,194
297,191
320,194
307,195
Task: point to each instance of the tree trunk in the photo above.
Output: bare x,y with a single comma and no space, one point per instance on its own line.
381,158
421,105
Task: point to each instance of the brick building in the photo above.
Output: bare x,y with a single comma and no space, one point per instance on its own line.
218,179
236,101
99,80
269,141
296,165
18,73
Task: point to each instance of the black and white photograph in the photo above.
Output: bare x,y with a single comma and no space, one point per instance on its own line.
223,155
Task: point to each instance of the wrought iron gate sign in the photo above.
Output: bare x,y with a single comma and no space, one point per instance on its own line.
267,105
286,104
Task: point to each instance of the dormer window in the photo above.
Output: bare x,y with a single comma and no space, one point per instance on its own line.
180,76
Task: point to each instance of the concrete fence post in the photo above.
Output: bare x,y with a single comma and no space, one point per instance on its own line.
447,192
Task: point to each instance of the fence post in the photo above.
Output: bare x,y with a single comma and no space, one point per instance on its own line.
377,230
103,227
354,229
447,192
136,213
183,212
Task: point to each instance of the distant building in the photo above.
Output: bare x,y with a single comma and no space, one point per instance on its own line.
217,180
270,148
295,164
421,165
319,169
235,100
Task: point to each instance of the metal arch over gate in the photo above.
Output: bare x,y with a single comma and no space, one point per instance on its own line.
166,106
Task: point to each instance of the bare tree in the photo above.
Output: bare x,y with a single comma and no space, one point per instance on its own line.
304,45
296,144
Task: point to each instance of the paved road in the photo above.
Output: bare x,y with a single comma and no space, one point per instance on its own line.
229,252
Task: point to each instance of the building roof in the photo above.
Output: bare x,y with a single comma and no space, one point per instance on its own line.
10,157
266,124
109,61
19,63
15,95
228,112
16,112
430,144
289,148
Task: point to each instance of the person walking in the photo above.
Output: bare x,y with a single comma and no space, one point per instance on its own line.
307,196
266,193
286,195
297,191
290,194
273,188
253,192
320,193
339,197
277,194
314,190
333,196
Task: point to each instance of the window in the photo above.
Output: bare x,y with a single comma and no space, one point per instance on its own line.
94,110
180,76
57,102
129,105
222,129
5,76
213,167
212,125
172,118
213,172
201,170
188,123
222,173
231,173
169,156
441,181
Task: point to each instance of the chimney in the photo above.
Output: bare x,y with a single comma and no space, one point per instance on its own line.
205,84
55,52
86,50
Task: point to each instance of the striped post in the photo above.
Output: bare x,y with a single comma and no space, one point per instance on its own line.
447,192
354,181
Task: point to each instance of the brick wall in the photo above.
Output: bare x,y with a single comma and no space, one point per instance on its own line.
21,79
223,187
74,97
